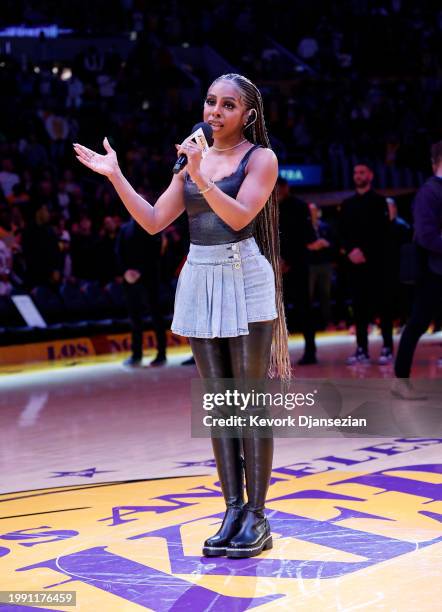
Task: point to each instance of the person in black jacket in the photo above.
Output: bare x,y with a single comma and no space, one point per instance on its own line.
138,256
296,234
427,213
401,234
40,250
365,232
321,264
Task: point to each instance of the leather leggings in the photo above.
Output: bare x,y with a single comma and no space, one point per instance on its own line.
241,357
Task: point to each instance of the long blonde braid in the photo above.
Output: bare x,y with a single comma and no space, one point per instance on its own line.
266,226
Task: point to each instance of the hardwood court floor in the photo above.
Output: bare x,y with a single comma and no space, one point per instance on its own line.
104,492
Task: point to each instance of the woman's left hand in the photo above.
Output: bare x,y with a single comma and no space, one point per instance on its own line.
194,155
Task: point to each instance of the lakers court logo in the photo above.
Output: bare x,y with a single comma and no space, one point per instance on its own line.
344,532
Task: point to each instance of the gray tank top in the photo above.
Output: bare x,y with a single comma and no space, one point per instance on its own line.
205,226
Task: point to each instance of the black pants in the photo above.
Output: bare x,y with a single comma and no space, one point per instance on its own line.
320,281
242,357
426,304
135,299
297,292
372,293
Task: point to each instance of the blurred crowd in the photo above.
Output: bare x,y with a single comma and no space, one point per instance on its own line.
368,87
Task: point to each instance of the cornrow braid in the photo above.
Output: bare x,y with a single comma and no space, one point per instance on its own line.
267,221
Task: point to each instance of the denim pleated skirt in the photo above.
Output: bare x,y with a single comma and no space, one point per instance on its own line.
221,289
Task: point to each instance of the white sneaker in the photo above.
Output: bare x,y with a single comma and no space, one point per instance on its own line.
359,357
386,356
402,388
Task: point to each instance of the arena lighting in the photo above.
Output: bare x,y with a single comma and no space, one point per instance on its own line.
54,373
55,70
2,64
133,35
66,74
22,31
145,105
37,69
185,45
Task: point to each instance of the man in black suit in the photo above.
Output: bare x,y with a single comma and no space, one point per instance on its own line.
427,214
138,256
365,231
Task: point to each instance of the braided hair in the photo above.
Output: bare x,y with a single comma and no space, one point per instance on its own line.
266,225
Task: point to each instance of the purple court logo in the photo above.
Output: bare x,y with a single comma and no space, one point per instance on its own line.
130,580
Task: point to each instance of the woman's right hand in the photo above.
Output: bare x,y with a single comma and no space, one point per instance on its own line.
103,164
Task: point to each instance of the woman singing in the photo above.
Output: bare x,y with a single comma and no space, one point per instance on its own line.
229,294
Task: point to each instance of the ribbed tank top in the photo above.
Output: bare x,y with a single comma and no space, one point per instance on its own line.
205,226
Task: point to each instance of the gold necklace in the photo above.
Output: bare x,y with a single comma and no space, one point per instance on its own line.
228,148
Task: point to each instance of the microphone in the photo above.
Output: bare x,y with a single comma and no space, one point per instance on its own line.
202,133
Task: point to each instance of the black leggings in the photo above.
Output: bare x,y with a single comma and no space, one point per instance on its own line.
240,357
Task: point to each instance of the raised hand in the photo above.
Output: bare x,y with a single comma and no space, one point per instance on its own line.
103,164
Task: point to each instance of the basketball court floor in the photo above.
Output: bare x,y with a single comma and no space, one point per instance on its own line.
105,494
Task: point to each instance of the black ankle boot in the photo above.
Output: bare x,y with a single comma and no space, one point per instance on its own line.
253,537
230,468
216,545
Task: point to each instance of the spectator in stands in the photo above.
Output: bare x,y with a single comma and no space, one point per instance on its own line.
84,249
93,62
105,204
8,177
40,250
106,257
34,154
11,225
63,200
45,193
19,196
5,269
64,245
69,181
57,128
138,255
74,92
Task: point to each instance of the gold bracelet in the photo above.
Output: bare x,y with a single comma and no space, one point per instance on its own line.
210,185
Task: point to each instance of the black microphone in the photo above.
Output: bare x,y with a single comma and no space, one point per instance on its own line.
208,135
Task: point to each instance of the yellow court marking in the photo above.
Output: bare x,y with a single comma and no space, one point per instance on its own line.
137,545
